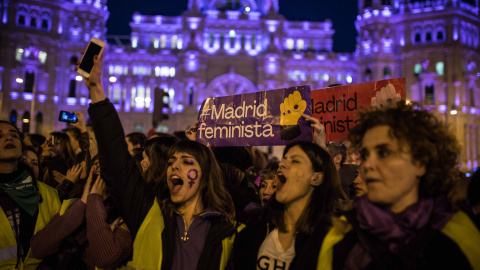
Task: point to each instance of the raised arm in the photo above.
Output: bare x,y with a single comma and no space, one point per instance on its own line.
118,169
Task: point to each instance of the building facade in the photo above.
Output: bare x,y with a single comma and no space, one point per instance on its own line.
220,47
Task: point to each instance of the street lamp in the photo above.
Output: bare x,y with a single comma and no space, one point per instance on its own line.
19,80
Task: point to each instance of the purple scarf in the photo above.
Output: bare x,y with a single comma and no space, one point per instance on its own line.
396,230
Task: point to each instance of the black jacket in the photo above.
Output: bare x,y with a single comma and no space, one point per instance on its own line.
133,196
258,224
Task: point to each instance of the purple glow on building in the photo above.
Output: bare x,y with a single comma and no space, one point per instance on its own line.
320,57
376,12
442,108
13,95
71,101
473,110
386,12
180,108
27,96
464,109
42,98
193,22
83,101
5,16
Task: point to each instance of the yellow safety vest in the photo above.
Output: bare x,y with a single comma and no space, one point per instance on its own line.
147,246
459,228
8,245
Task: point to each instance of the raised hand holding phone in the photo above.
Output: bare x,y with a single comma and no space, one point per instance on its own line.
94,82
95,47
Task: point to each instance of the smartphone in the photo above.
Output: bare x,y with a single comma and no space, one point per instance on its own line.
68,117
95,47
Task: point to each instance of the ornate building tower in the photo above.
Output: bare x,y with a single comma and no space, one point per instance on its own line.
435,46
218,48
40,43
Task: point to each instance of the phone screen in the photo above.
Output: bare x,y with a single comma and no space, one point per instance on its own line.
87,61
67,117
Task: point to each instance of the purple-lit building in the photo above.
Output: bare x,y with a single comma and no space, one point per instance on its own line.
220,47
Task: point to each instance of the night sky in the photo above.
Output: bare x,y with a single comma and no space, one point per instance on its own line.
341,12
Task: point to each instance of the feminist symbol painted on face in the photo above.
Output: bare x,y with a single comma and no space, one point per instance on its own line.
192,178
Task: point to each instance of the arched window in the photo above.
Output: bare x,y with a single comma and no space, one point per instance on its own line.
417,38
26,122
21,19
33,22
428,36
45,24
440,36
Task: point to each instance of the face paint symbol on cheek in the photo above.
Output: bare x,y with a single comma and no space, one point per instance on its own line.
192,178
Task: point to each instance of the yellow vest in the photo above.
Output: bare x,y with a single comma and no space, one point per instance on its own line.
459,228
8,245
147,246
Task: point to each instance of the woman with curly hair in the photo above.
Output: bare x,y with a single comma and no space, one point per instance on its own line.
409,162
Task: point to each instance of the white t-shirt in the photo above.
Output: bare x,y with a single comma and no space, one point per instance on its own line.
272,256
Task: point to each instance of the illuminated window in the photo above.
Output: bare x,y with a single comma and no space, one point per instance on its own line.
140,98
180,44
42,57
173,44
439,67
163,41
118,70
157,71
418,69
289,44
148,99
300,45
132,96
172,72
19,54
164,71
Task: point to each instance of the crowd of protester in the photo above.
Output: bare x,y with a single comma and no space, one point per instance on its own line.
91,197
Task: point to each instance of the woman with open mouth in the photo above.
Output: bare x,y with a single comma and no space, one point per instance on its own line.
405,220
288,231
187,226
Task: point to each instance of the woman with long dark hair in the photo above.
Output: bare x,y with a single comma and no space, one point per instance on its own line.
191,227
58,155
287,232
